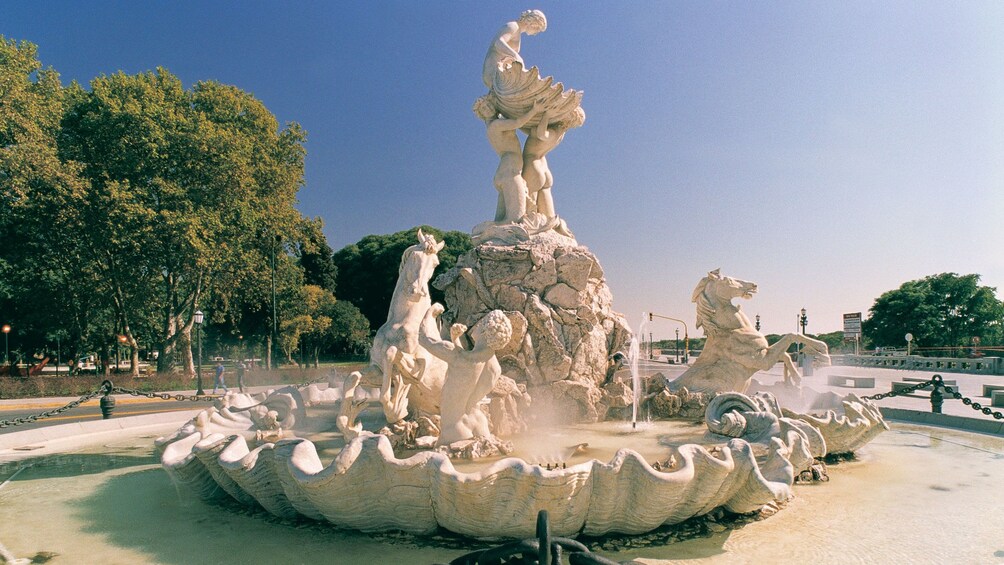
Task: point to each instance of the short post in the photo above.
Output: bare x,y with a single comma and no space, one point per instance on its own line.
107,401
937,398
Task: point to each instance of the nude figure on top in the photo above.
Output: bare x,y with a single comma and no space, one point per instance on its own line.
504,47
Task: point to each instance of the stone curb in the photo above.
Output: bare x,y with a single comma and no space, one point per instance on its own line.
12,441
989,426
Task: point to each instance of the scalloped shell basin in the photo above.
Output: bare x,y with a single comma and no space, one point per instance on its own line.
607,487
914,495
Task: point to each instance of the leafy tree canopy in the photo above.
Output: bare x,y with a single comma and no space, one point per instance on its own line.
940,310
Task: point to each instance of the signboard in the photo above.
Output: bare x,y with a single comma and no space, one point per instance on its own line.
852,326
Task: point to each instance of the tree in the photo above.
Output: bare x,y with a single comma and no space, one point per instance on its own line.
350,331
368,269
316,257
44,287
183,183
940,310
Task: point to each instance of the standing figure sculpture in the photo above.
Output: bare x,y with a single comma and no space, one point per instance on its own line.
509,174
404,370
470,374
734,349
505,45
537,175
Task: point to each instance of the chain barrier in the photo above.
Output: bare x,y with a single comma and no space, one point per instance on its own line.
166,396
105,386
904,391
937,383
974,405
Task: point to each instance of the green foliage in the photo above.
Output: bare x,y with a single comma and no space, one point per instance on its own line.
349,331
316,257
940,310
138,201
368,269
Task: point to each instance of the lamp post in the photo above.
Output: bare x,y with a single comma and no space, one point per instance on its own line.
803,320
686,333
758,322
6,344
198,339
677,345
272,359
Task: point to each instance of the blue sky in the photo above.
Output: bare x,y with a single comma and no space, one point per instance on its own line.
828,151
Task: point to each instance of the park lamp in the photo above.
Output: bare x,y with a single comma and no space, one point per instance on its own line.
758,322
197,318
804,320
6,344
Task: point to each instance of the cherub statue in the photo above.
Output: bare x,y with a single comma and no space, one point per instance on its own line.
470,374
509,174
536,174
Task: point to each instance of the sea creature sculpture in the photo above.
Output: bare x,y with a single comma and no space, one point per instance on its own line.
734,349
406,372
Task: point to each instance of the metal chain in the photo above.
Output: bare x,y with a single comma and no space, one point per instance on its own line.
974,405
935,382
903,391
166,396
50,413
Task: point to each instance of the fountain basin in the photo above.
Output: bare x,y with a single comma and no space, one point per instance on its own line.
368,488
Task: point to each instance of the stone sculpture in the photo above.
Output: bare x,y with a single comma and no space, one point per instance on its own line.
564,326
504,48
734,349
470,374
521,99
626,494
542,139
508,176
541,312
405,372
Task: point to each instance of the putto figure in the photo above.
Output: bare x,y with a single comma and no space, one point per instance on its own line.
508,176
470,374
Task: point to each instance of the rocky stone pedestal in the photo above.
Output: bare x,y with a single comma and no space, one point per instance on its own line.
564,329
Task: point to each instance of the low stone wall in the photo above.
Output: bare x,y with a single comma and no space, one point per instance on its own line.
982,365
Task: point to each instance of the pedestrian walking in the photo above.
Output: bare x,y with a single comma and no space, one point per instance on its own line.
241,369
219,378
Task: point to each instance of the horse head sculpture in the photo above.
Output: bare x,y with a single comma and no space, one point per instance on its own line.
734,349
715,291
417,265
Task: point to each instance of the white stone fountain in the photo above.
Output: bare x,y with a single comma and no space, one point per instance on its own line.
521,347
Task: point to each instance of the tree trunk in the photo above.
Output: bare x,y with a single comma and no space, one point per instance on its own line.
268,352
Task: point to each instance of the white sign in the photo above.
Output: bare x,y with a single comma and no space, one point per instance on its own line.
852,326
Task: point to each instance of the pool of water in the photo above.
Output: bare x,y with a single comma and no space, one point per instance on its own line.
914,495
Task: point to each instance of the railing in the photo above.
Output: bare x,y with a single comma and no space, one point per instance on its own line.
977,365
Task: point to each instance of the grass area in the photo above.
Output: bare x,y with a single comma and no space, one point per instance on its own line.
77,385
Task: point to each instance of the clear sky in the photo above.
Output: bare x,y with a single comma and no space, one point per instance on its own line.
828,151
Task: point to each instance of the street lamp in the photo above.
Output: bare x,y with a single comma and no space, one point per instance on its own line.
758,322
120,339
198,338
686,333
803,320
6,344
677,345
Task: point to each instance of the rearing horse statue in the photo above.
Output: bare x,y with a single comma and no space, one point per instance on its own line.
405,371
734,349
